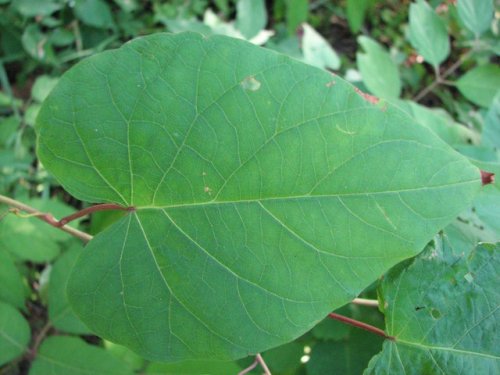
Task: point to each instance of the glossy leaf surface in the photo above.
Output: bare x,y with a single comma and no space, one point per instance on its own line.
267,192
446,323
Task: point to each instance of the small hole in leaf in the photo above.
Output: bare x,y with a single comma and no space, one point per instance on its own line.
469,277
250,83
436,314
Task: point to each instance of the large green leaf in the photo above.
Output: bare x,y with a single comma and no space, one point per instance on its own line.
63,355
443,312
428,33
266,192
14,333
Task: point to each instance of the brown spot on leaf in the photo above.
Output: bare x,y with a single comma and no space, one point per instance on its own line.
487,178
369,98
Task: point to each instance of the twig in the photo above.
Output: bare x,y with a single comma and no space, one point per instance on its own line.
357,323
48,218
38,340
365,302
441,78
258,360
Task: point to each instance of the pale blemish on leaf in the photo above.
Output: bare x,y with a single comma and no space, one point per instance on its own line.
330,84
344,131
468,276
250,83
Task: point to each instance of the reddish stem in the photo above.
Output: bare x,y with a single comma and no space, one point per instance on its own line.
89,210
357,323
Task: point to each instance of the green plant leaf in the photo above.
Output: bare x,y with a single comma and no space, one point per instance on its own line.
356,11
136,363
13,290
380,74
251,17
33,8
96,13
262,187
490,136
347,357
60,354
444,314
481,84
428,33
476,15
317,51
14,333
60,313
296,13
42,87
443,125
193,368
30,238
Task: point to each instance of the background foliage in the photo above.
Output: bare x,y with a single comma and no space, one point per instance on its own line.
436,60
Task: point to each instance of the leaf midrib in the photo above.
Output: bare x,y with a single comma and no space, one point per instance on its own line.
303,196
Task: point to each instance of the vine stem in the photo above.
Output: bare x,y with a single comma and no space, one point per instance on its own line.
258,361
357,323
16,206
38,340
365,302
441,78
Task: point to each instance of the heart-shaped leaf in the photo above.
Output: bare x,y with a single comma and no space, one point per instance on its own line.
267,192
443,312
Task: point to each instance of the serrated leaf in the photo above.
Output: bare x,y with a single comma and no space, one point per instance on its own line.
60,313
278,203
60,354
380,74
13,290
476,15
481,84
14,333
443,314
428,33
